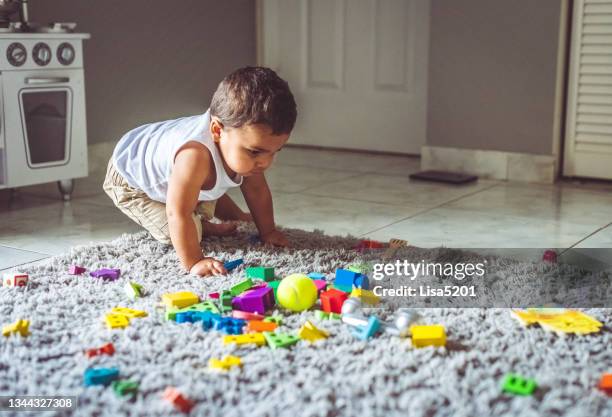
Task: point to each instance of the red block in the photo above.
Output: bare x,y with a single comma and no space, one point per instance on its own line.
550,256
605,384
177,399
76,270
107,349
332,300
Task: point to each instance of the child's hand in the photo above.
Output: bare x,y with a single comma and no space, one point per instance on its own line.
207,267
275,238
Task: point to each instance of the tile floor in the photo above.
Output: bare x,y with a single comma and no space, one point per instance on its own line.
339,193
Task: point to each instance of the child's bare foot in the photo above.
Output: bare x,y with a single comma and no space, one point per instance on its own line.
218,229
245,217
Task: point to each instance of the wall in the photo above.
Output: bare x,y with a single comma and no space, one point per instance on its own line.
147,61
492,74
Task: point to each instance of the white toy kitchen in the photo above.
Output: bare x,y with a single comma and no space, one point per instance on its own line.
43,130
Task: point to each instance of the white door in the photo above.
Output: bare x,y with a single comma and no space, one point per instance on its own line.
588,138
357,68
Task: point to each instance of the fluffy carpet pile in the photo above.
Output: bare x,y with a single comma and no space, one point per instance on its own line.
339,376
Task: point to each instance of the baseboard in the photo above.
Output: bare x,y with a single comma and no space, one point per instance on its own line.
511,166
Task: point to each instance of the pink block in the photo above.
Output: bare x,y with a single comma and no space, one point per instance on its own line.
214,295
320,284
76,270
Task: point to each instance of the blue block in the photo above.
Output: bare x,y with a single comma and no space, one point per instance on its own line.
316,275
362,281
100,376
184,317
208,319
367,331
233,264
345,279
228,325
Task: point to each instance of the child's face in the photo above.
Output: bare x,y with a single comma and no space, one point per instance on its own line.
249,149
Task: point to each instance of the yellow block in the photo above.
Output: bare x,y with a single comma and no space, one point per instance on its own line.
180,299
311,333
20,326
433,335
560,321
224,364
116,321
366,296
128,312
245,339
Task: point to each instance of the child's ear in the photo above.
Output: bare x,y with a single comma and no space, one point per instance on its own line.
215,129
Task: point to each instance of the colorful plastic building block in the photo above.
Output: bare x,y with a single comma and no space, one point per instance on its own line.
258,326
368,244
107,349
203,306
180,299
331,300
274,319
517,385
361,281
261,272
20,326
316,276
311,333
226,302
228,325
208,319
321,315
255,301
231,265
224,364
365,296
433,335
76,270
245,339
100,376
129,312
15,279
550,256
274,285
368,331
345,279
245,315
133,290
178,400
116,321
241,287
107,274
214,295
320,285
125,387
280,340
605,383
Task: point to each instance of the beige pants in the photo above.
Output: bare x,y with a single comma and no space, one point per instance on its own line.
149,213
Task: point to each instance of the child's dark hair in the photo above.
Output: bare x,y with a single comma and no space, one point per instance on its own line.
253,95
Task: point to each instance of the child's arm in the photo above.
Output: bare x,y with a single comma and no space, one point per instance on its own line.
184,186
259,199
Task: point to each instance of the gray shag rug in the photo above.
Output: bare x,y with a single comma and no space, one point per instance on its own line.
339,376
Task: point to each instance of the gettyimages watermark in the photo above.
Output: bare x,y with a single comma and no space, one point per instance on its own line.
490,278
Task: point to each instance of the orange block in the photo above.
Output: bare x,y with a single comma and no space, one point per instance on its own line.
605,384
256,326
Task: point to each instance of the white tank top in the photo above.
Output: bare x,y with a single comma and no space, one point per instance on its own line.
145,155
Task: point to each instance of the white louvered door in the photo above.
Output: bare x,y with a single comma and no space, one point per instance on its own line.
358,69
588,137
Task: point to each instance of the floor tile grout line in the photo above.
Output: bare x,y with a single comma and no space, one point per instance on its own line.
586,237
24,250
330,182
26,263
427,210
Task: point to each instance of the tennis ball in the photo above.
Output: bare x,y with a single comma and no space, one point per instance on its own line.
296,292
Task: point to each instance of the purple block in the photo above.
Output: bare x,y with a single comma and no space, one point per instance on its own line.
106,273
255,301
320,284
76,270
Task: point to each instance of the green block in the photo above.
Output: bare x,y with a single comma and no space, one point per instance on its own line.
274,286
274,319
321,315
343,288
355,268
133,290
262,272
362,268
517,385
242,287
125,387
171,313
204,306
280,340
335,316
